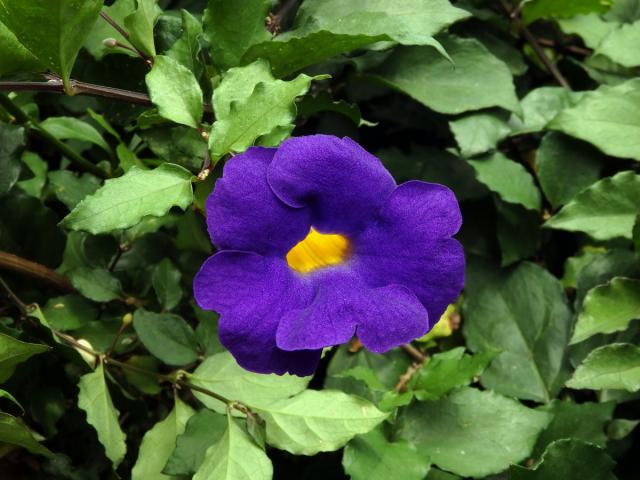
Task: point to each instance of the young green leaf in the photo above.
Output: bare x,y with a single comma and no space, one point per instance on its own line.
503,313
614,366
95,400
608,308
14,57
158,443
235,457
373,457
52,31
168,337
175,91
508,179
69,312
221,374
203,429
97,284
431,79
123,202
605,210
270,105
608,118
166,283
14,432
187,48
318,421
65,128
473,433
140,25
102,29
13,352
569,459
233,27
478,133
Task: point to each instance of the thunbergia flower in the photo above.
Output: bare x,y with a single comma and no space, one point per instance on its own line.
317,244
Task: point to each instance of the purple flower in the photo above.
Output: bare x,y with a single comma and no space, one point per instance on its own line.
318,244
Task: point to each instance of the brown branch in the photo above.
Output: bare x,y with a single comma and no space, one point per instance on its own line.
517,22
8,261
401,386
413,352
569,48
77,87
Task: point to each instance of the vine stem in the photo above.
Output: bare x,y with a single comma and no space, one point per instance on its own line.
76,87
71,341
35,270
514,16
23,119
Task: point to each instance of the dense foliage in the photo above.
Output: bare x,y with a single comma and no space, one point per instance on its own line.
116,121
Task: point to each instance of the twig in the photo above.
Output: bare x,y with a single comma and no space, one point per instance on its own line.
35,270
553,69
13,297
24,119
414,353
125,34
569,48
82,88
274,21
401,386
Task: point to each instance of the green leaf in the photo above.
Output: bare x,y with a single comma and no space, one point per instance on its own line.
187,48
615,366
159,442
448,370
235,457
518,231
221,374
373,457
140,25
540,106
508,179
97,284
69,312
38,167
270,105
143,382
473,433
102,30
608,308
175,91
569,460
318,421
605,210
14,57
537,9
591,27
202,430
616,45
408,22
566,166
11,139
608,118
296,49
52,31
123,202
166,283
233,27
95,400
11,398
168,337
585,421
65,128
13,352
238,84
428,77
504,311
365,375
70,188
323,102
14,432
479,133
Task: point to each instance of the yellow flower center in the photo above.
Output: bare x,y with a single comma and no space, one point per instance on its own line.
318,250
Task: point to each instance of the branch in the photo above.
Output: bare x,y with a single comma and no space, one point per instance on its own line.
274,21
24,119
413,352
517,22
8,261
77,87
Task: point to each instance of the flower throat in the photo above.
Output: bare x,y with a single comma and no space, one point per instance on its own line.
318,250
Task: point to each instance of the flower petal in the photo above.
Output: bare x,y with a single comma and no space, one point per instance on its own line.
244,214
252,293
342,183
409,244
343,306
